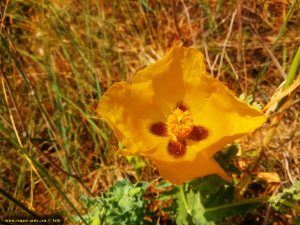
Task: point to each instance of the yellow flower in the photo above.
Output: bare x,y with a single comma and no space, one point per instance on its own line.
174,113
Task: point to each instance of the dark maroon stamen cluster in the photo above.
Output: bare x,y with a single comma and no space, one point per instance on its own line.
198,133
178,148
159,129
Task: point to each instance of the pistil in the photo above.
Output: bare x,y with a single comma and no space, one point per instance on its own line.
180,123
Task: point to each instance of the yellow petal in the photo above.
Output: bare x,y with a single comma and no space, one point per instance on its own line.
195,163
226,117
187,62
181,171
130,110
170,73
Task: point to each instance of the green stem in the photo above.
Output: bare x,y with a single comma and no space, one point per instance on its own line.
292,75
188,210
243,202
293,70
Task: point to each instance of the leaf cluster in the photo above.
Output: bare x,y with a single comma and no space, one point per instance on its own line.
123,203
288,197
204,201
249,100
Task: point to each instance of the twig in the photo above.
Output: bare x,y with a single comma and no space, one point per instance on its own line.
287,167
231,66
189,21
225,43
269,207
3,16
215,62
207,58
240,33
174,9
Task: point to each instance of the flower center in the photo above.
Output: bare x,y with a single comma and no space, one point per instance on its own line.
180,123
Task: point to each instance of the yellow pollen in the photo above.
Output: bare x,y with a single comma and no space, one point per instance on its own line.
180,123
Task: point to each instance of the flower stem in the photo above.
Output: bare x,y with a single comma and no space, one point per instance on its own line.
188,210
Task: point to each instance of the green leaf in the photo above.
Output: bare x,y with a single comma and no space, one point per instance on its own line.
96,219
218,213
214,190
190,210
209,200
183,217
198,210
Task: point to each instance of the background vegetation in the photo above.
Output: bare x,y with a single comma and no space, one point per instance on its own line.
59,57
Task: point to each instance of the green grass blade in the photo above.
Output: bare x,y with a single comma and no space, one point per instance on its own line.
293,70
18,203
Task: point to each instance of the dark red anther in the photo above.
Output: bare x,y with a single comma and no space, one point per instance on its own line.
159,129
177,148
198,133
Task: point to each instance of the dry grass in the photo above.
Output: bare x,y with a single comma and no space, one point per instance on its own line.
58,57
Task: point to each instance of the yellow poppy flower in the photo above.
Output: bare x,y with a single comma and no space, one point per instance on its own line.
174,113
